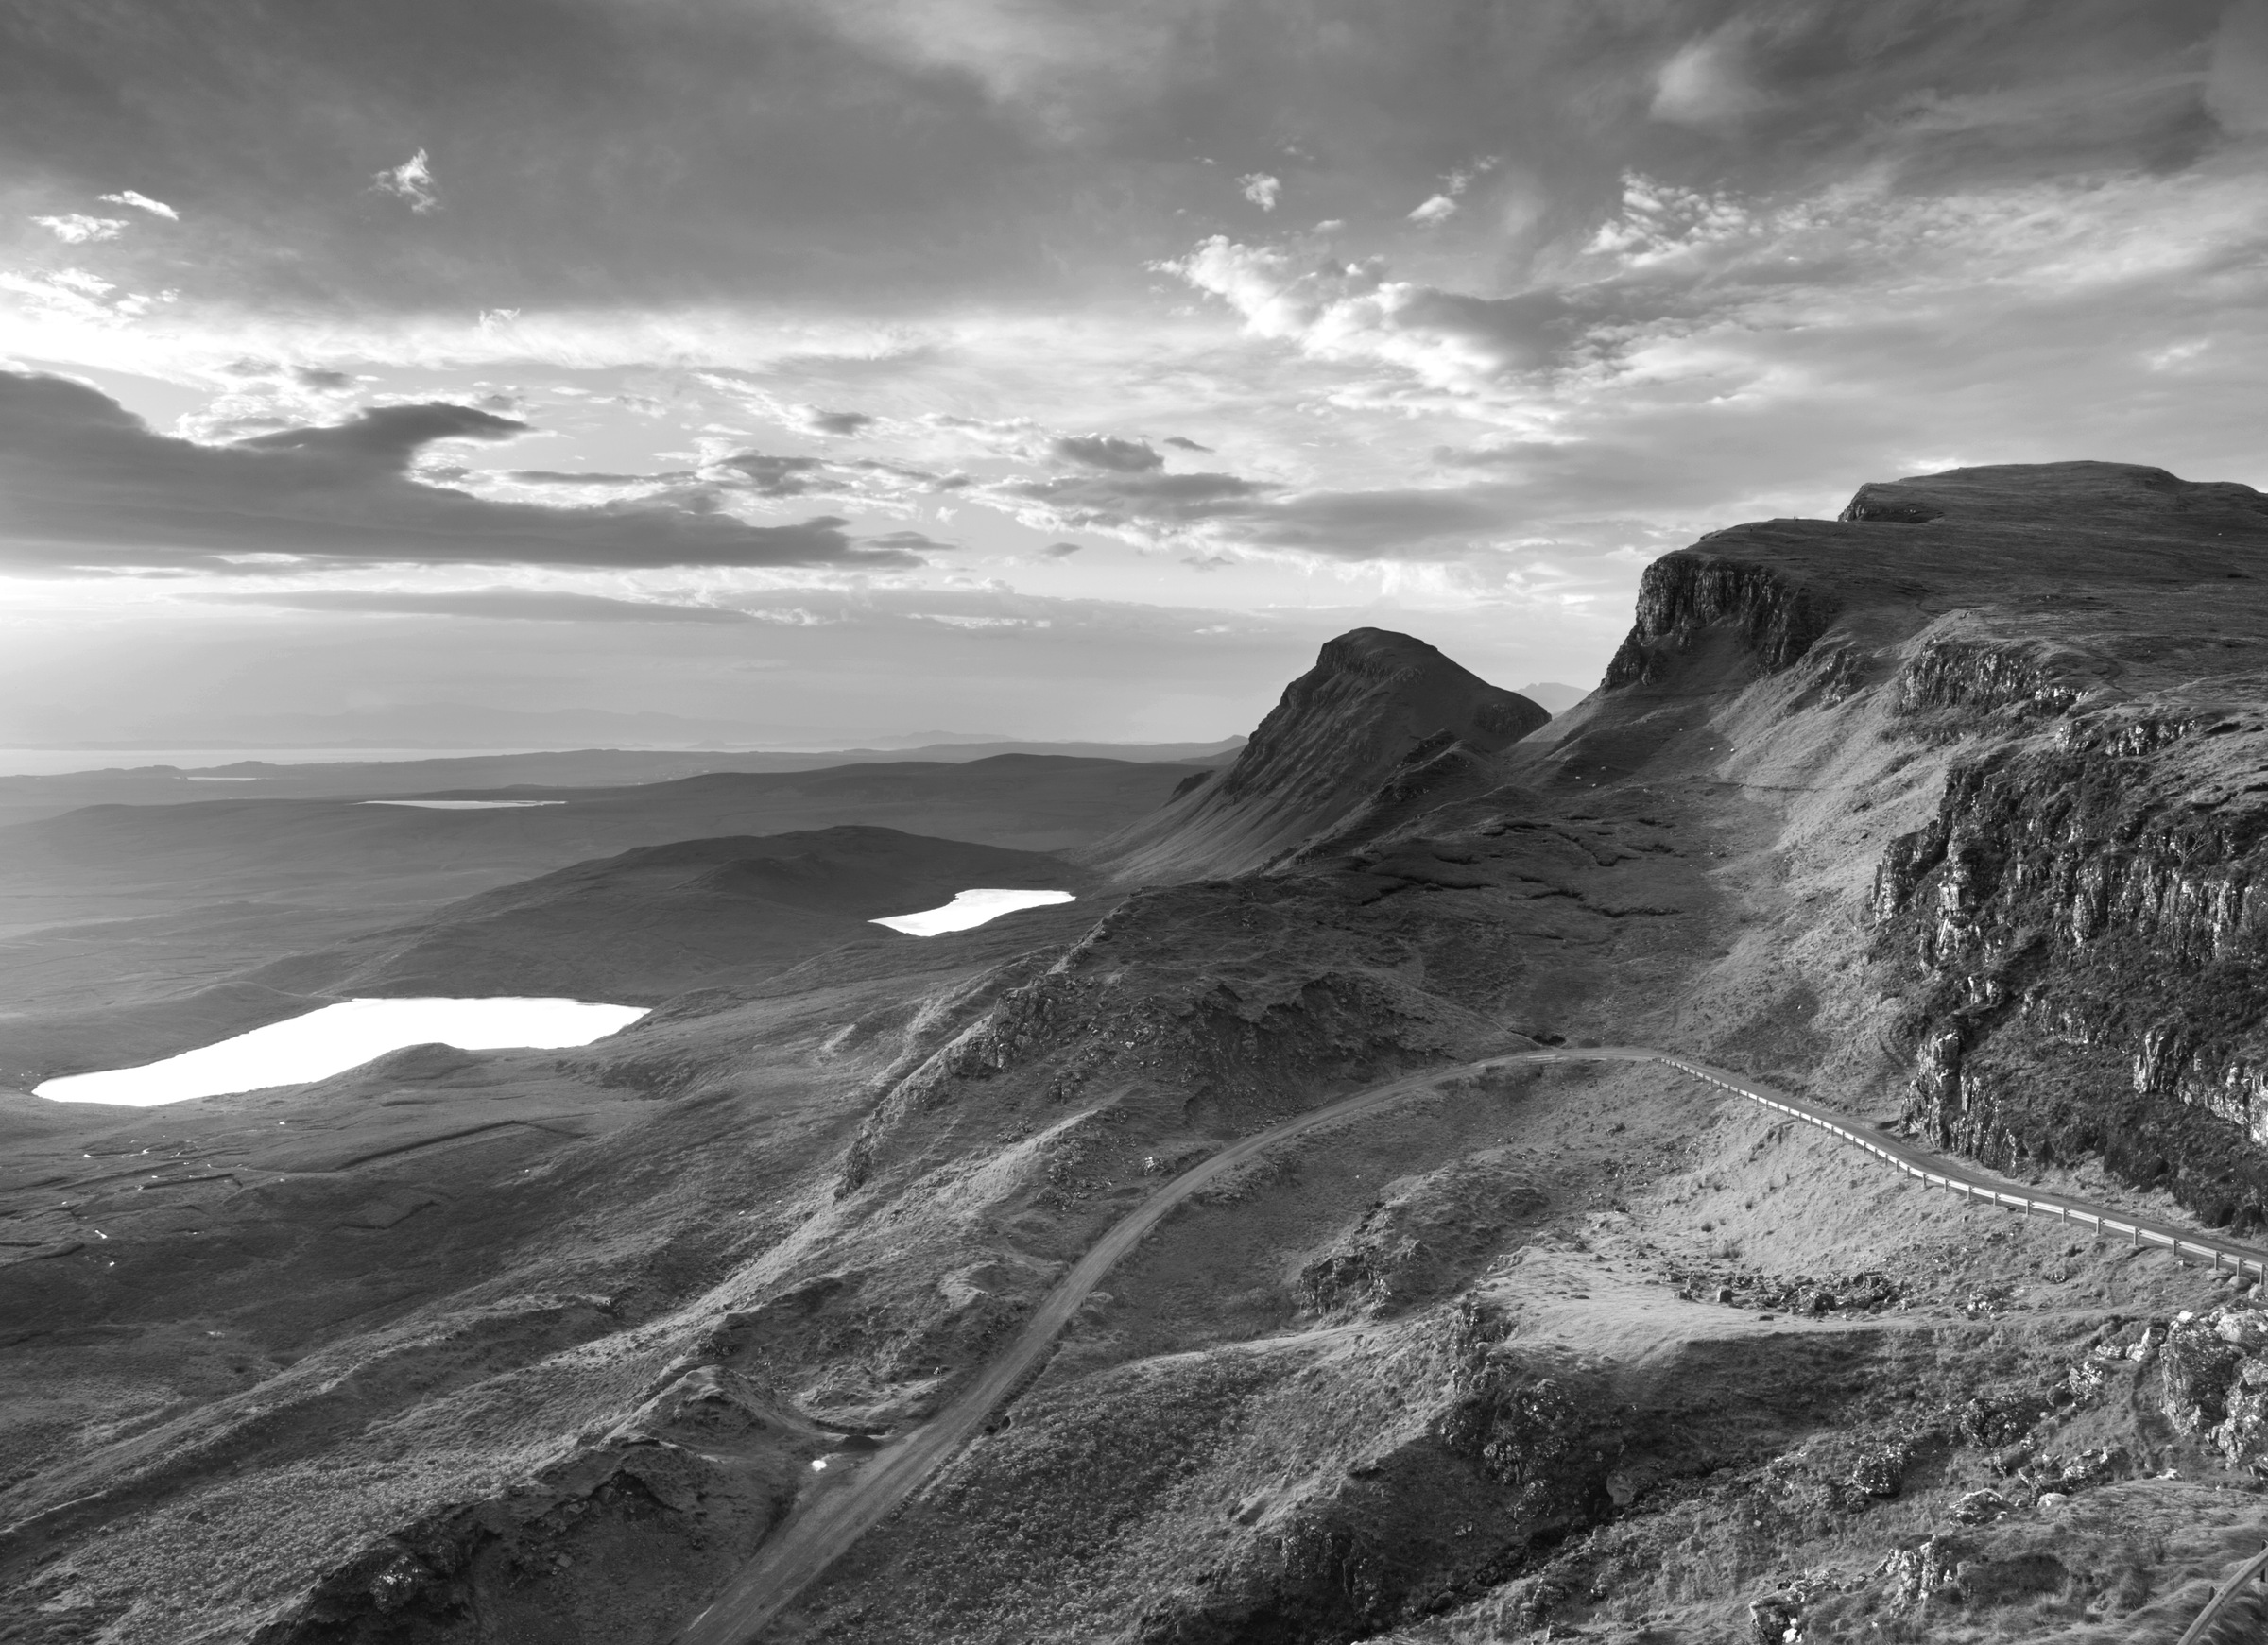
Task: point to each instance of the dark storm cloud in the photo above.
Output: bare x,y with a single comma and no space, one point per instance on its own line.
84,483
506,604
1102,450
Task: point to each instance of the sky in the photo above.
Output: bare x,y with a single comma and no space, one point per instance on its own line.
810,371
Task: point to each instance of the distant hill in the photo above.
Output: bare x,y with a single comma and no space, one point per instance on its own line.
26,798
651,922
1551,695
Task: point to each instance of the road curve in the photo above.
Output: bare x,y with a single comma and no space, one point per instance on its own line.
827,1521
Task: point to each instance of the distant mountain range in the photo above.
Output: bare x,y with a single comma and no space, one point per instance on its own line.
444,727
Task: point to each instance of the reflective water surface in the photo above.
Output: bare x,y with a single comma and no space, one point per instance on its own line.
970,908
338,1038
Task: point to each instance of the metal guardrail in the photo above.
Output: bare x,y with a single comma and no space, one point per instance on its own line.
2245,1259
2201,1629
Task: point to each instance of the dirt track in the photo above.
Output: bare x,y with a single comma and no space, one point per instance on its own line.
828,1521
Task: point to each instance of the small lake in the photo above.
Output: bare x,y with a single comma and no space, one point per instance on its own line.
338,1038
970,908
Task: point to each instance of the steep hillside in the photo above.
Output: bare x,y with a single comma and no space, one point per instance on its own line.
1372,701
1936,812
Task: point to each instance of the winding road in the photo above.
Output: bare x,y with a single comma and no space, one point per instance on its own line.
831,1517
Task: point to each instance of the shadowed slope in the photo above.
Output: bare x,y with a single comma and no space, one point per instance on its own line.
1372,699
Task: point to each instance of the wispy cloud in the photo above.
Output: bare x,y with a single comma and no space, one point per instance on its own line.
1261,189
411,181
77,229
144,203
1707,81
1439,207
494,605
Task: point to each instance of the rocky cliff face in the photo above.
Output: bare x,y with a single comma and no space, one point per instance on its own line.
1373,700
1682,595
2081,925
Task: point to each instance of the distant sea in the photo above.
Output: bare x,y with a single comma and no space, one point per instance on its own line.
54,761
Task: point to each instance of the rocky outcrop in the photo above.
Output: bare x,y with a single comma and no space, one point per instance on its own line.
1882,503
1974,677
705,1452
1684,595
1343,731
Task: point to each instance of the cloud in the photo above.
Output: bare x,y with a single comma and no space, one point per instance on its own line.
593,478
85,483
1060,549
1443,206
1226,511
1707,83
1261,189
773,476
142,203
1148,506
912,540
77,228
1102,450
837,423
318,377
1353,312
1403,523
1178,443
383,438
411,181
501,605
